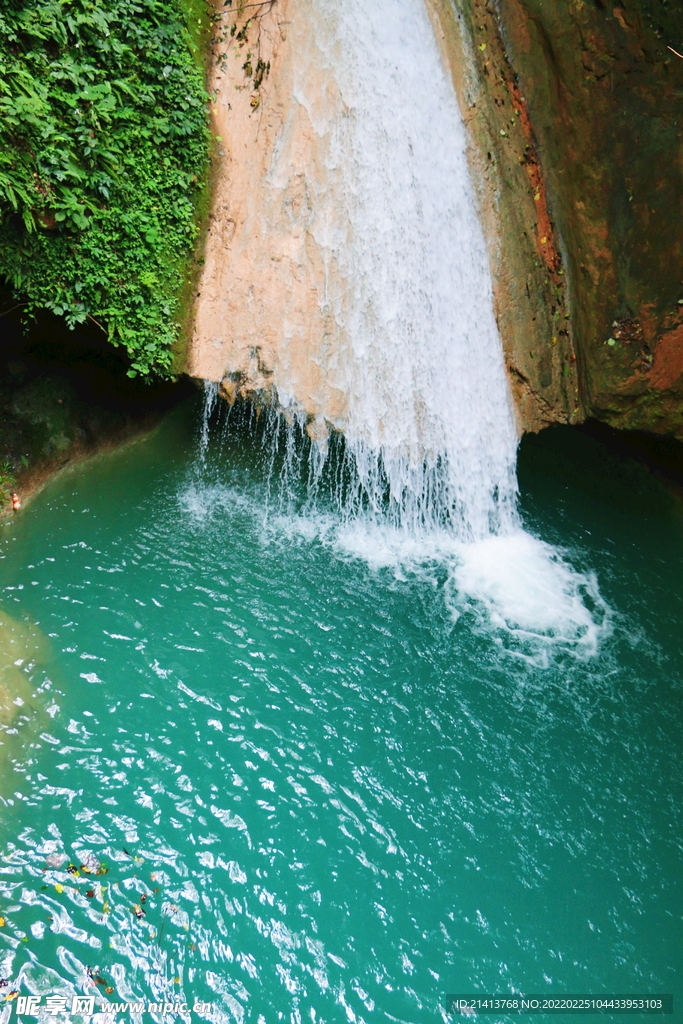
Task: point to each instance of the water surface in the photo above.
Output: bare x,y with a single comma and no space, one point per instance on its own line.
344,787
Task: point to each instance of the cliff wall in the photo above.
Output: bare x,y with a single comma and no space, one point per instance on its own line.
604,95
260,312
572,108
260,317
530,283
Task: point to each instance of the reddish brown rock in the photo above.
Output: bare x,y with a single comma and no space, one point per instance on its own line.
524,246
605,99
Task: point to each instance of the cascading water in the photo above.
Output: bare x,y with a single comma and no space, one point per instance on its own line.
408,356
429,419
414,345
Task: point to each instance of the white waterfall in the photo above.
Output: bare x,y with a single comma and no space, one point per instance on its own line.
370,218
414,344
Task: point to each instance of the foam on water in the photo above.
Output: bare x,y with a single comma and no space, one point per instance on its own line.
525,588
514,585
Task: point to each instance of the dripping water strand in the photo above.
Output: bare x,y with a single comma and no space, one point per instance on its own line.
210,397
346,477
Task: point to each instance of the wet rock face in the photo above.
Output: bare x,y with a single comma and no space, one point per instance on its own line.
605,97
530,290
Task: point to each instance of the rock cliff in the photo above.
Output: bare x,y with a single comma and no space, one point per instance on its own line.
604,96
573,111
257,313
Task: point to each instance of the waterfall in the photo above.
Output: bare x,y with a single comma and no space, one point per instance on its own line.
428,422
350,279
406,303
372,321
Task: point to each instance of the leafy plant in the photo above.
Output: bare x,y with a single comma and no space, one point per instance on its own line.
103,151
7,478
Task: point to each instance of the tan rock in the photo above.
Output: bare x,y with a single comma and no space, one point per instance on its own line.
260,315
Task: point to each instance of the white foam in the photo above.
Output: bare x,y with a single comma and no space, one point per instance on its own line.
515,586
202,500
382,546
527,588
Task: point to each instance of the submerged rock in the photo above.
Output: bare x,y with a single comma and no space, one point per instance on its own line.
22,647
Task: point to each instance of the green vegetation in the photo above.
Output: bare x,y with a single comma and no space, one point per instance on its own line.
103,155
7,479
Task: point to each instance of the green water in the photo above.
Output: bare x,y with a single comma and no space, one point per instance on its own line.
343,793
